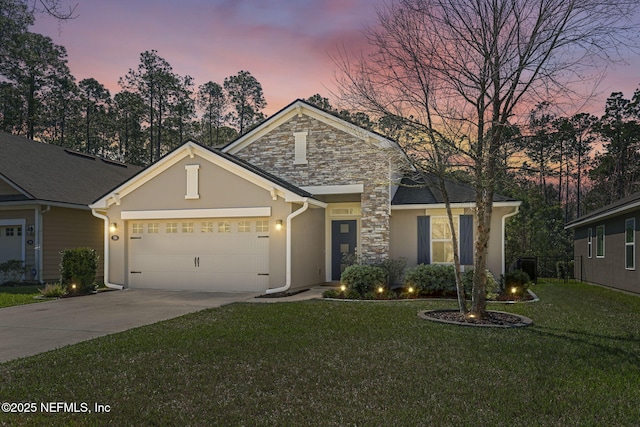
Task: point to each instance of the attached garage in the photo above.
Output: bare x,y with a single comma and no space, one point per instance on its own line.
210,254
203,220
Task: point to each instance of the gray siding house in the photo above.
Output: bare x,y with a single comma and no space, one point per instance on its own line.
605,245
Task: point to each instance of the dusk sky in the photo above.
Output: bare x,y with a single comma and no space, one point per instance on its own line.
286,45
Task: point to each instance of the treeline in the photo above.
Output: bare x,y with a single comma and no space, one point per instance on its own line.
155,110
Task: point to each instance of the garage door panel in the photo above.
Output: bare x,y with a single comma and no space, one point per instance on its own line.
198,258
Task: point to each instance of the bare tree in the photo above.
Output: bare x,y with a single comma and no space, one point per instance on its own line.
459,74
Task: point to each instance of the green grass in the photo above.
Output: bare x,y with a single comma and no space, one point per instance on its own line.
341,363
17,295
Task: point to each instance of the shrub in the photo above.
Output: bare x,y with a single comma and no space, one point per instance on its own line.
564,269
331,293
363,278
492,288
516,282
431,278
13,270
53,290
394,271
78,267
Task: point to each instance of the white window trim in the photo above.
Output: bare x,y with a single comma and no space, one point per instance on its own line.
192,182
603,241
590,243
300,150
632,244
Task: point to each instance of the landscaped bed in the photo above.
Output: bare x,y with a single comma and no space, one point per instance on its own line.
329,363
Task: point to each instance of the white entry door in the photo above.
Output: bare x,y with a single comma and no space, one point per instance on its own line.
227,255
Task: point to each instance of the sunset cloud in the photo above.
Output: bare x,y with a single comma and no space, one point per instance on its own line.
287,46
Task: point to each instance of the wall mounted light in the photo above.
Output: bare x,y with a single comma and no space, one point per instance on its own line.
279,224
113,227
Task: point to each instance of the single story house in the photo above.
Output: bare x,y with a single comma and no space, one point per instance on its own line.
45,191
604,245
281,207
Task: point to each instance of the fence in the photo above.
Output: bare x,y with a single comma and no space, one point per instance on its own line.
550,267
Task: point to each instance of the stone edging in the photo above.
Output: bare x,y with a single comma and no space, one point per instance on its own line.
524,321
535,299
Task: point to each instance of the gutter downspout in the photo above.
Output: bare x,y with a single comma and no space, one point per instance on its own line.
287,284
504,221
106,250
39,237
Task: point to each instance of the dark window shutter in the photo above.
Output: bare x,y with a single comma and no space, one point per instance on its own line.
466,239
424,240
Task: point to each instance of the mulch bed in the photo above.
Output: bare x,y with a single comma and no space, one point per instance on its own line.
491,319
282,294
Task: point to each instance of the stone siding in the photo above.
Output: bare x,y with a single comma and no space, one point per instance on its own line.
334,157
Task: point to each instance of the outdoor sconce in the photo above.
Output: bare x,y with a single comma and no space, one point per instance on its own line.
279,224
113,227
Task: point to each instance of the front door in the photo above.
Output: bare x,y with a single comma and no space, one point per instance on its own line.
343,245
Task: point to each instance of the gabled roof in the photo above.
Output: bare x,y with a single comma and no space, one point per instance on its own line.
299,107
622,206
50,173
227,161
415,191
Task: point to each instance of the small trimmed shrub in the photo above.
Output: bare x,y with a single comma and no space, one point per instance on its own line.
394,270
516,283
53,290
492,288
13,271
363,278
431,278
78,270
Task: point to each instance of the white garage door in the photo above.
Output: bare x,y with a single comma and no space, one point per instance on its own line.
200,254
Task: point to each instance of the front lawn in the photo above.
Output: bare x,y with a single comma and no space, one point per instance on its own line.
351,363
17,295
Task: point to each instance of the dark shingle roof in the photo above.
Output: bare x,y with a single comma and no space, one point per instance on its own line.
51,173
630,202
417,191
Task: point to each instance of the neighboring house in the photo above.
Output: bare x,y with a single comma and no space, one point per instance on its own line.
280,207
45,191
604,245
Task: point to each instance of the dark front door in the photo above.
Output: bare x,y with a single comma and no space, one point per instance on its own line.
343,245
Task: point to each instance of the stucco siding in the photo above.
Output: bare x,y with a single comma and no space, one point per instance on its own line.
217,188
308,261
67,229
404,235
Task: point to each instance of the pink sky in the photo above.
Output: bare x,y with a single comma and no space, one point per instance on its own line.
286,45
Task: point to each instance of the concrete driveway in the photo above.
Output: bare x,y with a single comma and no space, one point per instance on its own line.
30,329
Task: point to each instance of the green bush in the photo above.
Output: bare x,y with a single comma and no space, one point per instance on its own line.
13,270
431,278
564,269
78,270
394,271
363,278
516,282
53,290
492,288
